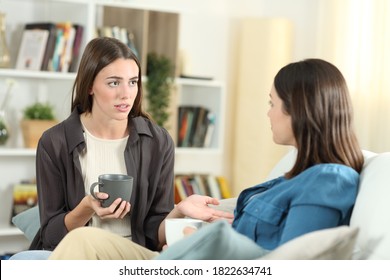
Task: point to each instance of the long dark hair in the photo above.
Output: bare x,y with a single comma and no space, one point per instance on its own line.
98,53
316,96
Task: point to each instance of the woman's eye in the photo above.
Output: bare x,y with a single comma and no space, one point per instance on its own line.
113,83
133,82
270,103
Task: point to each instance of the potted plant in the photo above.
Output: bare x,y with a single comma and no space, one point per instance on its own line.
36,119
159,85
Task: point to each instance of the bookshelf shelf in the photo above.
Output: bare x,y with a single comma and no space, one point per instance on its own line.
199,82
17,152
156,27
9,230
29,74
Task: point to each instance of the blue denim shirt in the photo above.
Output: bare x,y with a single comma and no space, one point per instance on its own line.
279,210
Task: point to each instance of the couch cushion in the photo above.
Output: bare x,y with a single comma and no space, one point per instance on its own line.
28,222
221,242
326,244
284,165
371,209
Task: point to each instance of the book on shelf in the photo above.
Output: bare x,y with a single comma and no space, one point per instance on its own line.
55,59
224,187
24,197
180,192
214,187
67,50
63,49
209,130
202,184
201,127
76,47
32,49
190,115
196,126
182,125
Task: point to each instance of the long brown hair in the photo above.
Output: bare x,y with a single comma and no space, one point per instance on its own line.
316,96
98,53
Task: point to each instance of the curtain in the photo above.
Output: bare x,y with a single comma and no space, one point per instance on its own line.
355,36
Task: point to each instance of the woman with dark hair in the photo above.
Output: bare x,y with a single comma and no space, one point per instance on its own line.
107,132
315,95
310,109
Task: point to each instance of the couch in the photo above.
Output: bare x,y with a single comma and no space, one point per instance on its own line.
367,237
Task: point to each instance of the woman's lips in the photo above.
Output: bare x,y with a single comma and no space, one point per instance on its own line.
122,107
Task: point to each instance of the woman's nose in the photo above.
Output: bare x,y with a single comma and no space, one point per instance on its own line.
125,93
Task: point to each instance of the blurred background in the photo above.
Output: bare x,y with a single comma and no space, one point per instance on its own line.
249,40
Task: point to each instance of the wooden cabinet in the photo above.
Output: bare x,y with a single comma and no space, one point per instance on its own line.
156,29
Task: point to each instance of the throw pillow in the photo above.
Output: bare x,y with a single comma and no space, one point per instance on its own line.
28,222
216,241
326,244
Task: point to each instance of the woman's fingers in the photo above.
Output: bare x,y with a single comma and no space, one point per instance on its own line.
189,230
117,210
101,195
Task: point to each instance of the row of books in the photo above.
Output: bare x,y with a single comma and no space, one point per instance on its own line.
195,126
120,33
203,184
50,46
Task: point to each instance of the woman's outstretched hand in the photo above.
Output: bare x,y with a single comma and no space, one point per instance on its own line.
196,206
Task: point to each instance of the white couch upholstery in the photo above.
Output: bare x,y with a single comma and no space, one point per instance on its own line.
371,212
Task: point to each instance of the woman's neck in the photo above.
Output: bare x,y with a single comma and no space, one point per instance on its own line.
105,129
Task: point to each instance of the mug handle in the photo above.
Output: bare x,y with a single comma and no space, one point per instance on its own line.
92,190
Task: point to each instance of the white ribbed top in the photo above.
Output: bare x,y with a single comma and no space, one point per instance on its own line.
104,156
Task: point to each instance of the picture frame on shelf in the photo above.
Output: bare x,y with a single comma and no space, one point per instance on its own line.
32,49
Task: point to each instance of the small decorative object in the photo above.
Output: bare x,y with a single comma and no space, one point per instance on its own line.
158,86
5,59
131,43
4,131
37,118
4,128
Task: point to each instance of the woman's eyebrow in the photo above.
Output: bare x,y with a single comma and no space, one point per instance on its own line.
114,77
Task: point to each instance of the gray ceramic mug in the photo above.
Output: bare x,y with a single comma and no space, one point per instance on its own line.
115,185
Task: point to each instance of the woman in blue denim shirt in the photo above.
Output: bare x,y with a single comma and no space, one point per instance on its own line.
310,109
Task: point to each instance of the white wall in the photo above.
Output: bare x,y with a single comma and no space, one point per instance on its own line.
215,22
203,38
